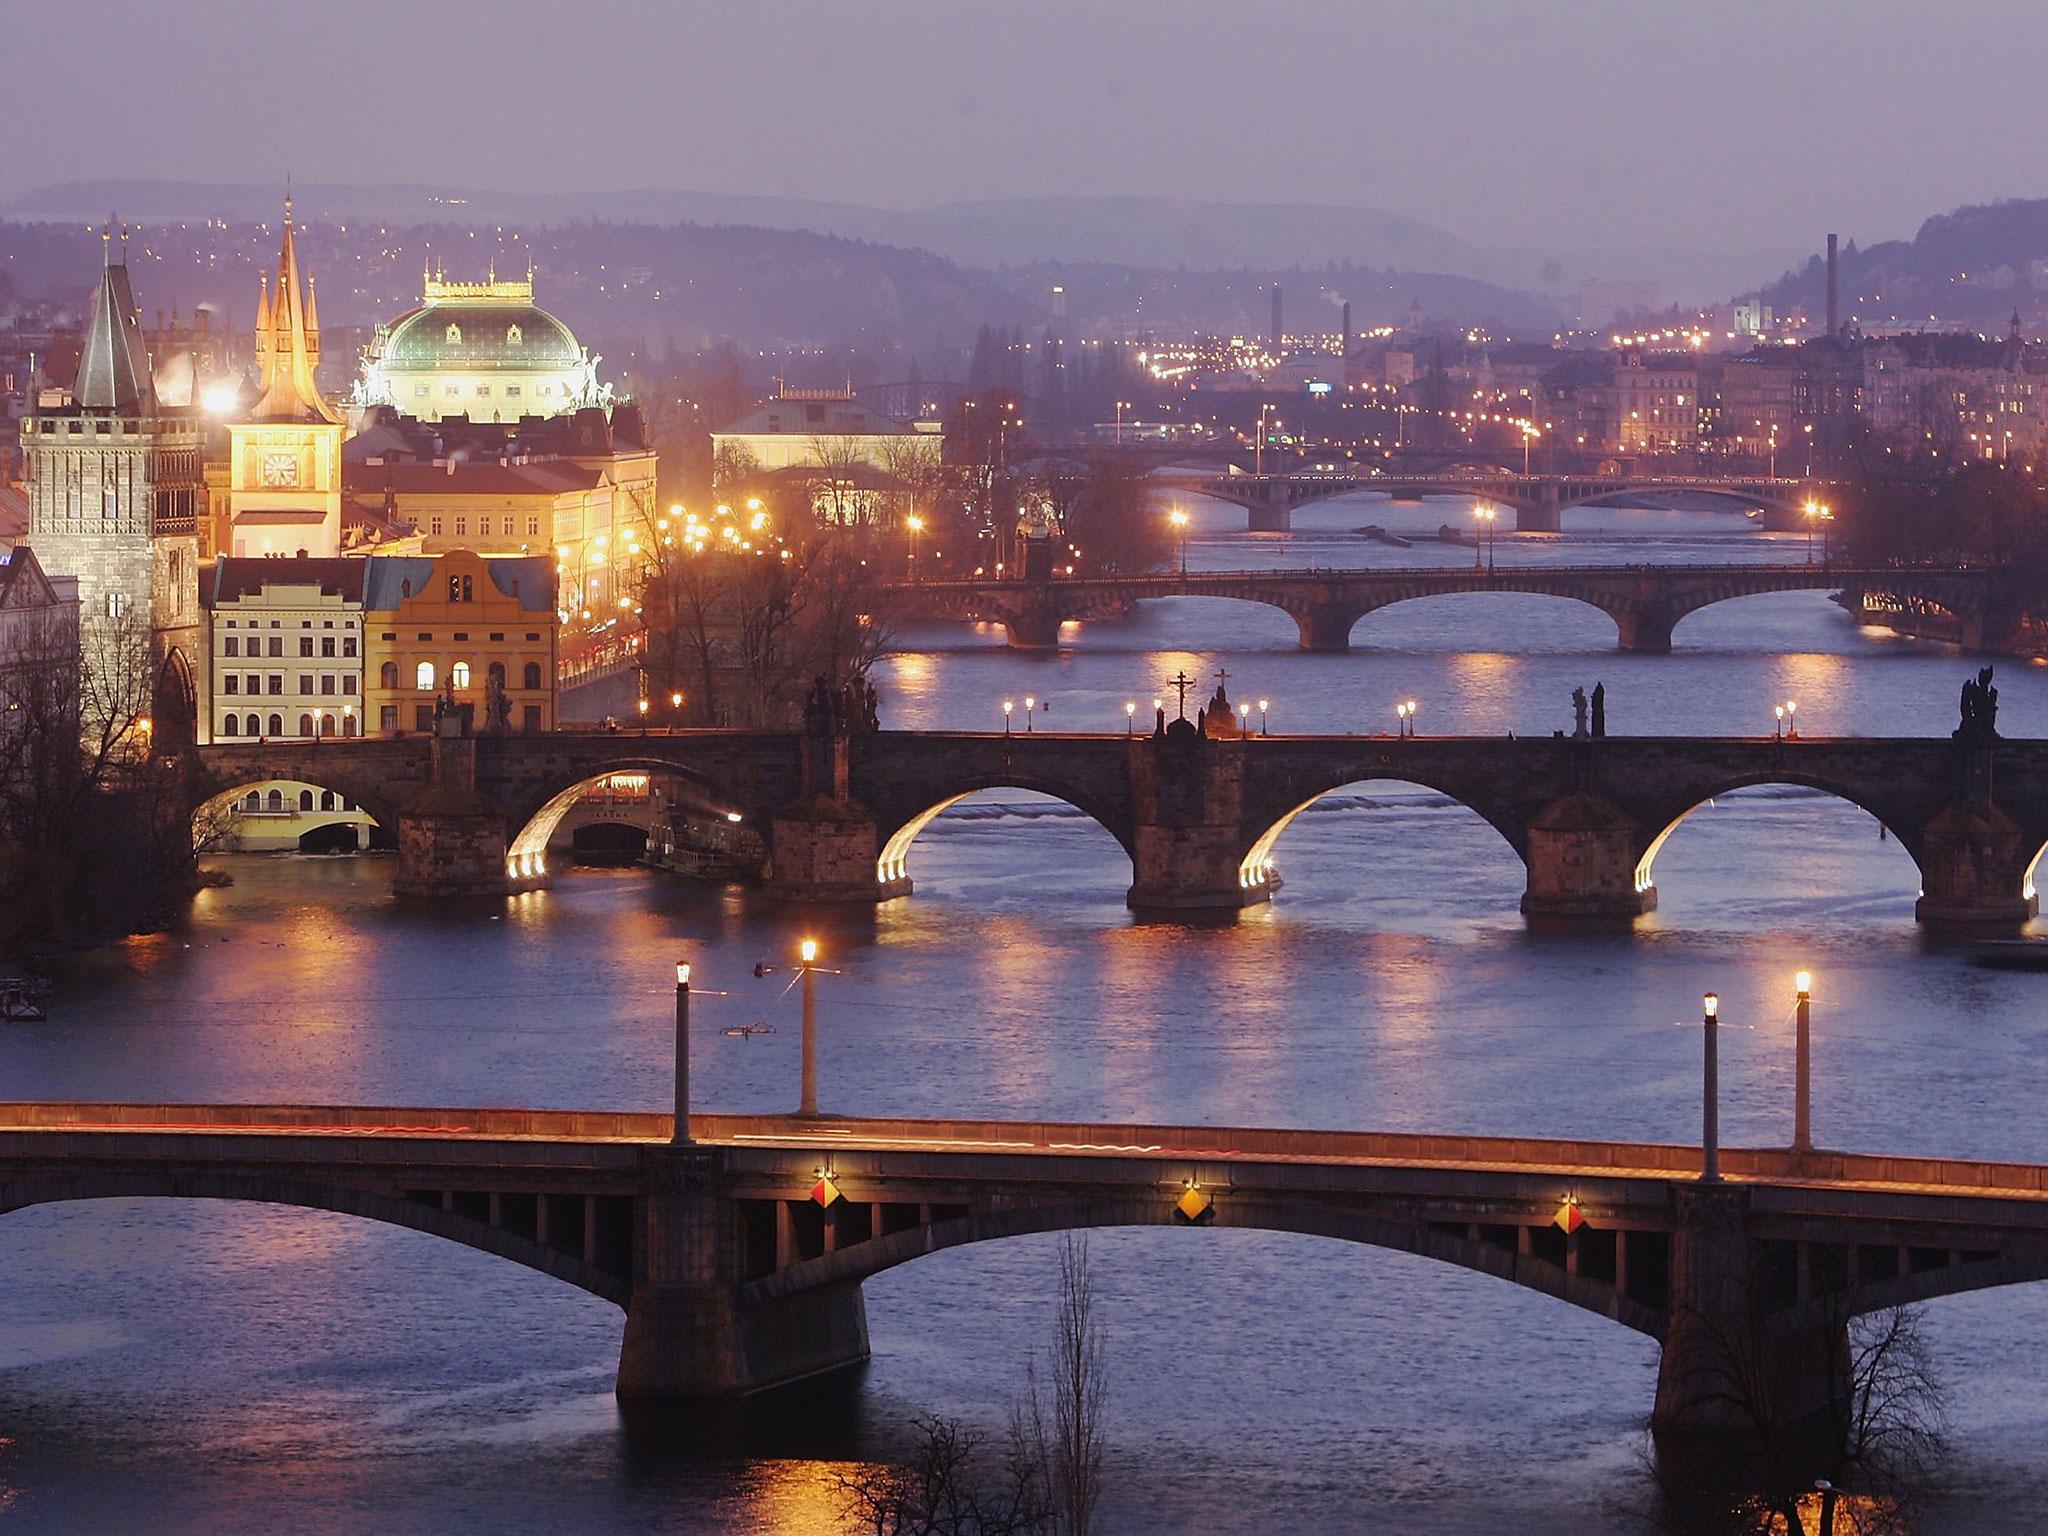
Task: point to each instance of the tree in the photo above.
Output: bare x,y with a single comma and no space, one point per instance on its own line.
1109,518
948,1487
1062,1424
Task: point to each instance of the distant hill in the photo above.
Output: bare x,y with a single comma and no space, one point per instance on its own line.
1972,267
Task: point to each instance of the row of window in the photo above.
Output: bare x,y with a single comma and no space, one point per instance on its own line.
303,624
309,725
482,391
231,683
507,525
458,676
231,645
274,802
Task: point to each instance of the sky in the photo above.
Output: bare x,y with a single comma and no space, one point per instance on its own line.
1717,123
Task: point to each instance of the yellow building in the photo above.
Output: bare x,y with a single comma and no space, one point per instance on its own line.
284,457
482,632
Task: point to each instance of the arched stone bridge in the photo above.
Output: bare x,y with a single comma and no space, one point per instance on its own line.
1539,501
1199,817
739,1257
1644,601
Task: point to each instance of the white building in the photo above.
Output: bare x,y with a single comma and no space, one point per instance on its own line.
286,639
822,428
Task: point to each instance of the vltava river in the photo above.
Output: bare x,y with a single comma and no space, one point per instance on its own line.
213,1368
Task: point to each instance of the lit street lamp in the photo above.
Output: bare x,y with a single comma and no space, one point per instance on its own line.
1179,519
1244,720
1710,1099
807,1104
1802,1092
1263,728
1814,513
681,1135
1030,706
1484,516
1008,705
916,526
1791,719
1778,732
1130,717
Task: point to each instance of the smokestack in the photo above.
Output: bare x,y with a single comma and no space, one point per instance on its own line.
1834,293
1276,319
1347,330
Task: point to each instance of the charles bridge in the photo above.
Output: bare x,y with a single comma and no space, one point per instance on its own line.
1645,602
1539,502
738,1254
1198,812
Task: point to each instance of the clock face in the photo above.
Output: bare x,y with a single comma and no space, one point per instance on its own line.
280,469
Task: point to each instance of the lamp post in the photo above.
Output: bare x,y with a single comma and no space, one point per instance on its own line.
1130,717
807,1103
1778,731
1264,728
1802,1077
1244,721
1710,1099
643,717
1030,707
1478,537
1812,510
1179,519
1008,705
681,1136
916,526
1791,719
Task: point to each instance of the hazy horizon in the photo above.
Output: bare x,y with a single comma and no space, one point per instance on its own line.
1739,126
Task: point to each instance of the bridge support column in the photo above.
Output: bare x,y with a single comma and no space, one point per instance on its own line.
1736,1368
1582,854
1036,630
1188,848
1325,626
827,851
1646,629
451,840
688,1332
1273,516
1973,871
1544,515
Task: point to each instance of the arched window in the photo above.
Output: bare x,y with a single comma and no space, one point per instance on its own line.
454,333
276,725
387,675
326,799
305,799
496,674
533,674
254,726
229,727
423,677
274,801
348,725
326,725
458,677
305,725
253,801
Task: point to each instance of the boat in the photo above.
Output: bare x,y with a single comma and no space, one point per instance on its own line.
748,1031
23,999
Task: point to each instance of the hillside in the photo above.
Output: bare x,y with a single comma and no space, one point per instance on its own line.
1972,267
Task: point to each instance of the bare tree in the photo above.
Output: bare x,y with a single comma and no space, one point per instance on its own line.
952,1485
1060,1424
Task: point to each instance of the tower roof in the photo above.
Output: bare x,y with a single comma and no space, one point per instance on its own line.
113,371
290,346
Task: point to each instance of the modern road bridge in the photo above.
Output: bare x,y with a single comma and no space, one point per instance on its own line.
739,1259
1198,811
1644,601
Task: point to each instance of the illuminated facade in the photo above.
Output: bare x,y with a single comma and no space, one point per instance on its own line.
481,350
478,631
286,638
284,457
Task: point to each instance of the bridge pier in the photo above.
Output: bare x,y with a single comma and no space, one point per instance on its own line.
1543,515
1188,848
1274,516
452,839
688,1332
1647,630
1325,626
1974,867
1583,854
1036,630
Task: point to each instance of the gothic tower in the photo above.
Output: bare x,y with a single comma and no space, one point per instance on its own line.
114,482
284,471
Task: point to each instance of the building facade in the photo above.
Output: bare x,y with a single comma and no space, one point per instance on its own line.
114,485
819,429
287,647
482,633
38,653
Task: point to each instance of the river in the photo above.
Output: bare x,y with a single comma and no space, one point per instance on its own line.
218,1368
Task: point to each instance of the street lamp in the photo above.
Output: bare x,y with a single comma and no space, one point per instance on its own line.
1484,516
681,1135
1401,711
1264,730
1802,1098
1130,717
1710,1099
1412,707
1778,732
1791,719
1008,705
1030,705
916,526
807,1104
1179,519
1244,720
643,717
1812,510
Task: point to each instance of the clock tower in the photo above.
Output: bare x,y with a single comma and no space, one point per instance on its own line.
284,471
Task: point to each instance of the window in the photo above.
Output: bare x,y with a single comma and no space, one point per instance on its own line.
277,645
531,679
255,725
305,682
458,676
306,799
348,683
117,602
277,682
231,647
496,636
453,333
327,682
327,645
387,718
327,725
423,677
274,801
326,799
305,645
512,390
483,391
433,525
513,337
227,683
348,645
228,725
530,718
419,391
387,675
305,725
495,674
452,391
532,528
348,727
423,717
276,725
461,529
461,589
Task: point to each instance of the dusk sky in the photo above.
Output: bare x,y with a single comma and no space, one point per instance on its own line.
1724,124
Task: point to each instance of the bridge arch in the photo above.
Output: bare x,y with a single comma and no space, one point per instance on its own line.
1257,865
1529,1271
1520,582
526,850
892,864
1905,834
472,1231
283,793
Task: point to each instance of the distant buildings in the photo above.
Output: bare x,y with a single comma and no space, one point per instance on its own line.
287,646
813,428
39,652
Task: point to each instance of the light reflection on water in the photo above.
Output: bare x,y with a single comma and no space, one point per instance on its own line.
223,1368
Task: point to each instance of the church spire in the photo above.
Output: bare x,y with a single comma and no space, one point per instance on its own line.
112,372
291,341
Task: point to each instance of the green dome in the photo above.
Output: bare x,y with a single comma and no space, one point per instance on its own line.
480,338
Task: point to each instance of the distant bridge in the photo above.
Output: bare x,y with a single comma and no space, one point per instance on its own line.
739,1258
1539,501
1199,816
1645,601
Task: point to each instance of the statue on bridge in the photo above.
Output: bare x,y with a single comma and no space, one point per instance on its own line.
852,707
1578,714
1599,709
1980,709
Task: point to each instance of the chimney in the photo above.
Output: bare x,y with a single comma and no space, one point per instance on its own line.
1347,330
1276,319
1834,293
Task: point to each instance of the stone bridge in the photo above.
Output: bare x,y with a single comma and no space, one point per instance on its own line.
738,1256
1644,601
1539,501
1199,816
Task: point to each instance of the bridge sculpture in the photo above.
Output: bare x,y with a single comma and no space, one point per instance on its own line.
1645,602
1539,502
738,1256
1198,814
